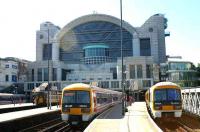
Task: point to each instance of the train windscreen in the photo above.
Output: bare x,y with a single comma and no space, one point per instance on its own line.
76,98
167,95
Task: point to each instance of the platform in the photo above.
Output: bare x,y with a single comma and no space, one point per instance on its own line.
16,105
135,120
26,113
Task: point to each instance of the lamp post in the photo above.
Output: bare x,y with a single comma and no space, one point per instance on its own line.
122,65
48,88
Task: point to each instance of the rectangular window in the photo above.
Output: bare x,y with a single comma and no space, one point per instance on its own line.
124,71
39,74
7,78
7,66
139,71
132,71
115,84
14,78
30,86
149,71
14,66
54,74
104,84
32,75
114,71
45,74
145,47
47,51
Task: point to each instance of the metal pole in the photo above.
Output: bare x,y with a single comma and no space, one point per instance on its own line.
122,65
48,71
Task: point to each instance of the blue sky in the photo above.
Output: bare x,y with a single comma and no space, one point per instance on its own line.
20,19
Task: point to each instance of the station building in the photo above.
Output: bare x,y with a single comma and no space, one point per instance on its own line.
88,49
13,72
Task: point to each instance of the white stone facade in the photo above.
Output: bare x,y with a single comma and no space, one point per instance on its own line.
9,69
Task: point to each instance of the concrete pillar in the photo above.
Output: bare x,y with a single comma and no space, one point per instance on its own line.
55,51
59,74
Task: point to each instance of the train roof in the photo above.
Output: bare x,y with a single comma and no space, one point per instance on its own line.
166,84
78,85
88,87
161,84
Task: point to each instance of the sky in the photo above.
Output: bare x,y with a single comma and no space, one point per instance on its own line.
20,19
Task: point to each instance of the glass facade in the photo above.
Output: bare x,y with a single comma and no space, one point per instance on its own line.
145,47
182,73
180,66
96,54
95,32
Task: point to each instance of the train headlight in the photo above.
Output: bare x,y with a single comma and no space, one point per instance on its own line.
85,110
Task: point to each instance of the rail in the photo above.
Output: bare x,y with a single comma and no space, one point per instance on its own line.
49,126
186,123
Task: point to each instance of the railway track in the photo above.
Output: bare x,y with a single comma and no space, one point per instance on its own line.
186,123
55,125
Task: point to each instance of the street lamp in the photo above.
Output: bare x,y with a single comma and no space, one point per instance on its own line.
122,65
48,88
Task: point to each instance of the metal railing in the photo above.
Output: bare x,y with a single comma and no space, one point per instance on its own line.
191,100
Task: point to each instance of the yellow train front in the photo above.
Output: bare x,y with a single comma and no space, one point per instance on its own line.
164,100
81,102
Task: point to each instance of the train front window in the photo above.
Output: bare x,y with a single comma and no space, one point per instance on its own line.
83,97
76,97
160,95
167,95
174,95
69,97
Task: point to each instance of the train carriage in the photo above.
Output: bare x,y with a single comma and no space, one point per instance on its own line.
164,100
81,102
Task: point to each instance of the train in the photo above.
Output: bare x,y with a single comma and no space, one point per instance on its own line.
164,100
40,95
9,98
81,102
